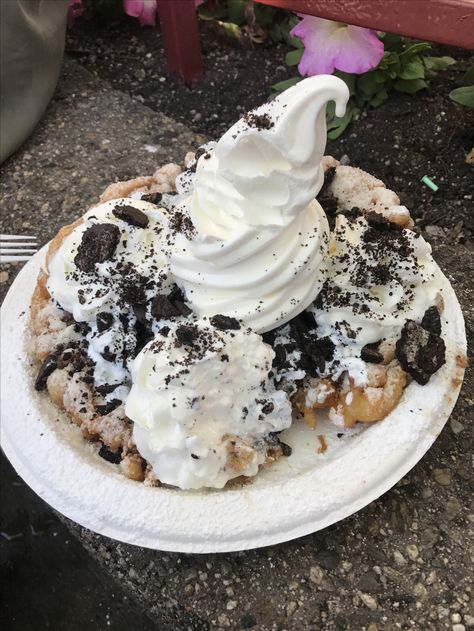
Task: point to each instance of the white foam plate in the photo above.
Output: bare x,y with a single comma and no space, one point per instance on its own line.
298,495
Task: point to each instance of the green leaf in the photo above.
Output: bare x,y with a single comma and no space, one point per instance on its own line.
468,78
412,69
392,42
215,14
293,57
236,11
284,85
275,33
379,98
264,14
414,49
367,84
463,96
409,86
349,79
292,41
337,126
435,64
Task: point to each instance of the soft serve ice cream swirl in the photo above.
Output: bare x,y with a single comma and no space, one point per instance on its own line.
261,236
203,405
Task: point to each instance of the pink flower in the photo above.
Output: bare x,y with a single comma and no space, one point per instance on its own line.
144,10
329,45
75,11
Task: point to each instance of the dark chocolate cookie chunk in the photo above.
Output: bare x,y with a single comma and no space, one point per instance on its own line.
98,244
186,334
371,354
432,321
153,198
111,456
131,215
420,352
224,323
47,368
163,307
104,321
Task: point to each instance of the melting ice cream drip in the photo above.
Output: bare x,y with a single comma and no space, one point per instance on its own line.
261,236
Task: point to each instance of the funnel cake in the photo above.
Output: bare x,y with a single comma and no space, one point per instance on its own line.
67,372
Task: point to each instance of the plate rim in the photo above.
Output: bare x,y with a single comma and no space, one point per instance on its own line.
231,536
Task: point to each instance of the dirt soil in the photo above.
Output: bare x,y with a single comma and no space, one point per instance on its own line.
400,142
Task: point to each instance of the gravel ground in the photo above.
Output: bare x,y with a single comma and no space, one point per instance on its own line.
405,561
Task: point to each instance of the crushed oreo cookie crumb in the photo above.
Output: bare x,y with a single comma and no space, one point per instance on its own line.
371,354
432,321
48,366
152,198
98,244
114,457
420,352
224,323
131,215
104,321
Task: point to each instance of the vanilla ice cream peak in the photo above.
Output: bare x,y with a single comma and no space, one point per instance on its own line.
261,237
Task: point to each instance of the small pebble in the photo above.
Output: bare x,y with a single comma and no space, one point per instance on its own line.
420,592
319,577
291,607
458,627
4,276
399,558
442,476
412,552
368,600
231,604
455,617
456,426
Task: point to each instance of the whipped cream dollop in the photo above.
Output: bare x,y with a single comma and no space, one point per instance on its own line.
203,406
261,237
379,276
110,294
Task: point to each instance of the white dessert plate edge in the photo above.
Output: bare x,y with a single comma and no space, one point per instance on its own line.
285,501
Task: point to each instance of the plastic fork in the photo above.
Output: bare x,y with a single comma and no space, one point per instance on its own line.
15,248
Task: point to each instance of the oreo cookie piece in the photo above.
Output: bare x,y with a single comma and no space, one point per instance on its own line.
98,244
431,321
131,215
104,321
153,198
111,456
224,323
186,334
371,354
163,307
47,368
420,352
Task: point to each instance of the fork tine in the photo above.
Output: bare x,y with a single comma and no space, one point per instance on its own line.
17,244
16,237
14,259
17,250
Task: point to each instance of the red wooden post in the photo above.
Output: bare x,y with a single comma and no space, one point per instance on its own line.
179,28
444,21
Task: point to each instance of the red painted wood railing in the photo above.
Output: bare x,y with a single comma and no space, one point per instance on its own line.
443,21
179,27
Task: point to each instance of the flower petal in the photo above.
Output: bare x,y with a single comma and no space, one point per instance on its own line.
362,51
144,10
329,45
